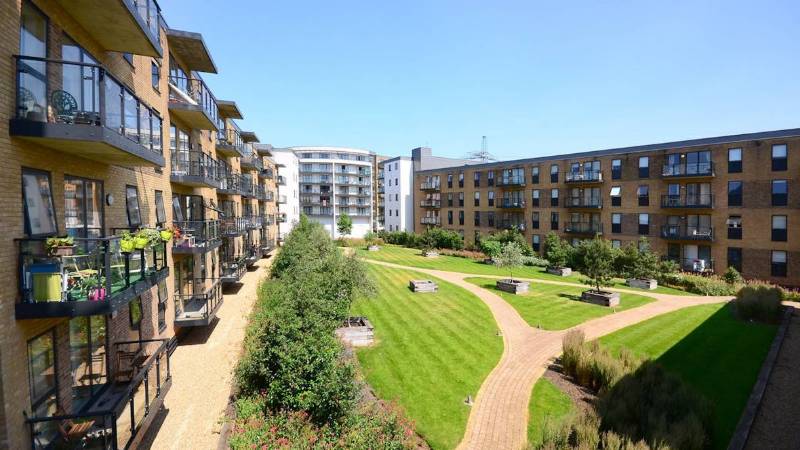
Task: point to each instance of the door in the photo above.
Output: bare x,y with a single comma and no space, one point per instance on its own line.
83,207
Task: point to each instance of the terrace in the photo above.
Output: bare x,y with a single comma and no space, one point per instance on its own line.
229,182
430,220
510,181
583,202
196,236
192,102
83,110
199,309
194,168
430,203
229,142
688,170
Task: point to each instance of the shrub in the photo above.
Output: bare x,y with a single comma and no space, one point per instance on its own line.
583,432
759,301
490,247
732,276
504,237
403,238
441,238
591,365
344,225
790,295
709,285
535,261
556,250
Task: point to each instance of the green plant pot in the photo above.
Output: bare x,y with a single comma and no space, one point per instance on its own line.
126,246
166,235
140,242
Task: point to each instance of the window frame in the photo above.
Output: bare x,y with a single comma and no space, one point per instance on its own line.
131,224
25,211
779,234
779,269
738,199
616,172
644,170
161,212
735,165
779,164
780,199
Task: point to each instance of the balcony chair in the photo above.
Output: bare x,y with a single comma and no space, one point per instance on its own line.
65,106
72,432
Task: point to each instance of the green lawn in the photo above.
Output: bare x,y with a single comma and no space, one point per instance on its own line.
548,403
555,307
413,258
710,349
432,351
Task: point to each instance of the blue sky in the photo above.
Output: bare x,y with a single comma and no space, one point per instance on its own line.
537,78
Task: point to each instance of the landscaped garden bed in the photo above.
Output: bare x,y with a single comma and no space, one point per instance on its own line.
513,286
423,286
648,284
601,298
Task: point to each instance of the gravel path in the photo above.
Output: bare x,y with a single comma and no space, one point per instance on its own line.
202,371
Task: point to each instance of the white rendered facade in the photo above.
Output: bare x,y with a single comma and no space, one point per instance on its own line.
398,180
335,181
288,195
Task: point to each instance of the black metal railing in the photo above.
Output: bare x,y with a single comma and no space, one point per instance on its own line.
586,176
507,224
230,137
233,269
583,227
82,94
686,232
253,160
696,265
430,203
198,306
232,226
687,201
194,163
583,202
511,181
196,90
429,186
230,183
252,222
685,169
510,203
246,185
194,234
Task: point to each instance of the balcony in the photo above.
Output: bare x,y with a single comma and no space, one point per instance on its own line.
688,170
246,186
252,162
92,278
516,181
194,168
583,202
281,218
510,203
229,183
81,109
507,224
687,233
252,255
694,265
347,181
253,222
435,221
192,102
700,201
120,26
200,309
261,192
265,173
429,203
429,186
195,236
232,226
585,177
588,228
269,196
229,143
117,415
233,270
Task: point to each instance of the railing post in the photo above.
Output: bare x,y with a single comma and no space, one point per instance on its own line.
107,266
146,381
127,269
133,418
158,377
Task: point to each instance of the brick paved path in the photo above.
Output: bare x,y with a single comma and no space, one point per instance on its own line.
202,371
499,417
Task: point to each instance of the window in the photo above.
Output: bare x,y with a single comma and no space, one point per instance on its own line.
616,196
554,221
535,175
135,312
535,198
616,169
644,167
490,178
734,227
397,212
780,192
554,197
476,179
536,242
449,180
83,207
616,223
779,228
778,267
535,220
734,193
460,199
155,75
643,193
616,243
449,217
554,173
779,157
40,215
132,206
477,219
128,57
490,218
390,213
42,372
161,213
477,200
87,349
461,179
735,258
491,198
734,160
450,199
461,217
644,224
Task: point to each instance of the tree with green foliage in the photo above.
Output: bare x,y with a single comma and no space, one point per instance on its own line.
509,257
556,250
598,261
344,225
732,276
646,264
490,247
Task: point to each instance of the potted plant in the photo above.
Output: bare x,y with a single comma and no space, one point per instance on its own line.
598,261
644,267
510,256
126,242
60,246
557,252
166,234
140,240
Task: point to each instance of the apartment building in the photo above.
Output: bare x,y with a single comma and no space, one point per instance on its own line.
108,122
378,193
288,200
705,203
335,181
398,187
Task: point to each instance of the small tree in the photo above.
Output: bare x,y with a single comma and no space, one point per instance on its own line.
645,266
598,261
556,250
344,225
732,276
509,257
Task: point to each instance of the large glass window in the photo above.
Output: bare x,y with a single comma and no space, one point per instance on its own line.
616,223
778,266
644,224
79,83
735,258
87,350
535,174
42,374
161,213
83,207
162,303
132,206
643,193
734,160
554,197
734,224
554,173
40,216
32,92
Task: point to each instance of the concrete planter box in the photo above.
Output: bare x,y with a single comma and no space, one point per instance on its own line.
356,332
431,254
423,286
373,248
643,283
601,298
560,271
513,286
